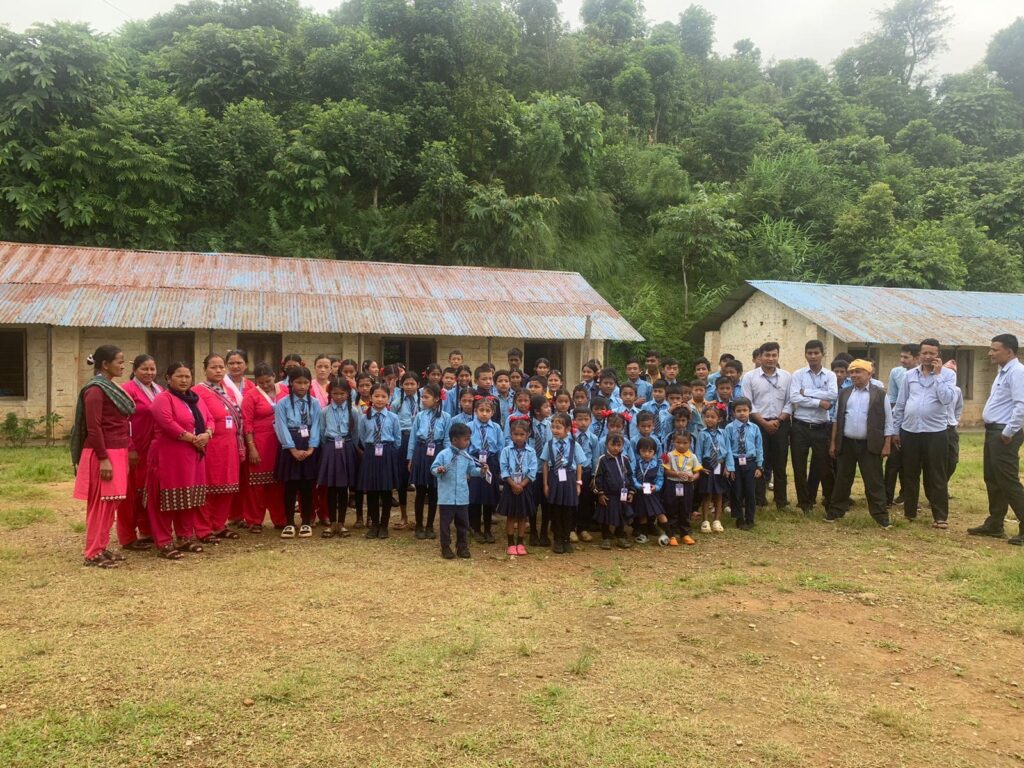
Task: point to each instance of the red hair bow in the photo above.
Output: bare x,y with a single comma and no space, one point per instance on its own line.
627,415
519,417
604,414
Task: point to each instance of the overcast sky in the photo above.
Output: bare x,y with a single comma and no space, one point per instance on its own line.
818,29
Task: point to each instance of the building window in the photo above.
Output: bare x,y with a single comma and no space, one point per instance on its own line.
261,348
171,347
417,354
552,351
13,363
965,372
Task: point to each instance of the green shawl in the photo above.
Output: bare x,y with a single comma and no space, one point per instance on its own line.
117,395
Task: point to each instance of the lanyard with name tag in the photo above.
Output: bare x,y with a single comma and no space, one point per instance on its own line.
562,475
648,489
378,449
339,443
680,489
430,449
624,494
303,431
229,423
742,460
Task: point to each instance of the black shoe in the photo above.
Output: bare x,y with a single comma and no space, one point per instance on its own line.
464,550
421,534
544,541
567,547
898,499
488,538
738,521
606,543
431,534
534,539
985,530
447,554
912,517
383,533
479,537
372,532
558,549
807,509
885,523
1017,541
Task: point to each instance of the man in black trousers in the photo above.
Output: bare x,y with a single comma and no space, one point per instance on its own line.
861,436
1004,416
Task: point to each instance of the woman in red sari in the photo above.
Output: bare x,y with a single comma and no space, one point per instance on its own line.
176,484
132,520
99,450
223,453
262,492
237,361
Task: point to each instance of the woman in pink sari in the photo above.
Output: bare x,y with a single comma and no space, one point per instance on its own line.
237,361
318,390
223,453
99,450
176,484
261,493
132,520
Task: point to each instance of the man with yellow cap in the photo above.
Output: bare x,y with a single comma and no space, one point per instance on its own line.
861,437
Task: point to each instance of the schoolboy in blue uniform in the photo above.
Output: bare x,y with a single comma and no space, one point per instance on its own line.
744,463
585,442
640,386
453,467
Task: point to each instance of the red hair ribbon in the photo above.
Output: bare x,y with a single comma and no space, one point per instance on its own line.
519,417
604,414
627,415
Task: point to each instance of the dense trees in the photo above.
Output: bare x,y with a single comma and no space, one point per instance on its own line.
486,131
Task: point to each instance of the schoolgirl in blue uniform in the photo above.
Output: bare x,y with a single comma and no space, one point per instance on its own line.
563,478
405,404
338,468
648,480
297,424
714,454
485,443
540,433
465,398
518,464
429,436
613,487
585,442
520,411
380,436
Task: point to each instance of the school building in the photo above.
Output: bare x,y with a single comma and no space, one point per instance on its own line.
58,303
867,322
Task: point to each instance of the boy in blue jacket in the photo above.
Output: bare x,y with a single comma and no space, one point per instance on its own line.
453,467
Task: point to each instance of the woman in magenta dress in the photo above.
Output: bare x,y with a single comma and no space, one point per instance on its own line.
99,450
176,484
132,520
237,361
261,493
224,453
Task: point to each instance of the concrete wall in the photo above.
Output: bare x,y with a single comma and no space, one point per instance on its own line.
71,346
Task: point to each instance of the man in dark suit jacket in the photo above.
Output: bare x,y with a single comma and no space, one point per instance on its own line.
861,437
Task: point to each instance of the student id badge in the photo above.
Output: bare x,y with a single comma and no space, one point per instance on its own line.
718,469
742,460
680,489
562,475
483,457
430,449
303,431
517,478
229,422
339,443
647,489
624,494
378,449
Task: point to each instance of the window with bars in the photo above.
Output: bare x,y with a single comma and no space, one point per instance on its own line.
13,363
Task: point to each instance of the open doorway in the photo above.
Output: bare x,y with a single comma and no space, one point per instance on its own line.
553,351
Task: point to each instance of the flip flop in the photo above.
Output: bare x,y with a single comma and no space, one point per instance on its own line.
401,525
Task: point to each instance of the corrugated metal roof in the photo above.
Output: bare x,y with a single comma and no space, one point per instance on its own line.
71,286
870,315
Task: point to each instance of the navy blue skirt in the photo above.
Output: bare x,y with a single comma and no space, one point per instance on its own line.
517,506
713,484
647,506
421,463
337,465
289,469
563,494
379,473
615,514
482,492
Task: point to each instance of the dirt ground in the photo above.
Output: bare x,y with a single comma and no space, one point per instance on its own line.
798,644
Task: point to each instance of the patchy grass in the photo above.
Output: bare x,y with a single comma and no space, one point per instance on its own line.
802,645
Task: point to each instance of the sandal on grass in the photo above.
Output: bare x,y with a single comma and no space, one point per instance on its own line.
169,553
190,546
344,532
226,534
401,525
256,528
211,539
940,524
138,545
106,554
327,533
99,561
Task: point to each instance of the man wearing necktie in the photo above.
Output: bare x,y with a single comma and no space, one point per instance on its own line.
1004,416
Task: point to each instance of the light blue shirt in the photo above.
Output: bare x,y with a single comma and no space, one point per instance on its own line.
712,442
648,472
295,413
429,426
485,438
1005,403
334,421
406,411
896,377
643,389
462,418
752,447
515,462
453,483
659,444
571,454
656,408
585,443
806,391
541,434
390,431
923,402
508,425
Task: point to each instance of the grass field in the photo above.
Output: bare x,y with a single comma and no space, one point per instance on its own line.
799,644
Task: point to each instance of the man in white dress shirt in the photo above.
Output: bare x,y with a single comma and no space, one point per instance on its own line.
767,388
1004,416
812,393
921,417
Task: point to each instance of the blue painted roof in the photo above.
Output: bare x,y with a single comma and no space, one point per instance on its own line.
873,315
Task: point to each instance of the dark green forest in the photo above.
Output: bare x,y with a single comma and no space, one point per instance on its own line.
488,132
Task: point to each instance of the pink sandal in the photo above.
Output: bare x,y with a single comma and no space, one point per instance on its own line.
521,550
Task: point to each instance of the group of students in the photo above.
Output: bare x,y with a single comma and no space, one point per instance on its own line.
179,465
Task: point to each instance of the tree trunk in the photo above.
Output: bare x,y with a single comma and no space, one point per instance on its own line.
376,190
686,289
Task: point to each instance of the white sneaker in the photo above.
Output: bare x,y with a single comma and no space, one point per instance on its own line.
288,532
771,485
663,540
716,526
641,538
705,527
573,537
305,532
727,510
